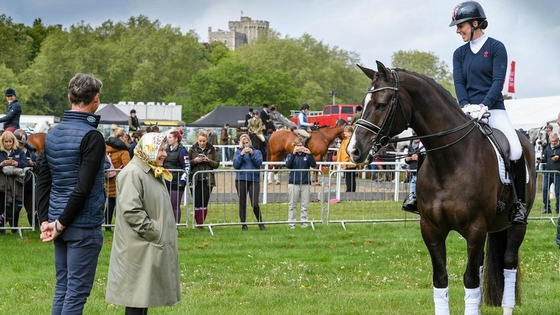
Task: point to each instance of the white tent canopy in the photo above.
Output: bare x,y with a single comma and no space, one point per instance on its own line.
530,113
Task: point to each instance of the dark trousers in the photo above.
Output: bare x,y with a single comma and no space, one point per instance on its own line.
350,178
201,197
135,311
253,189
111,203
76,252
176,198
549,179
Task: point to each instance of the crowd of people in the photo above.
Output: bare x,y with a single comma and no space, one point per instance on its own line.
75,196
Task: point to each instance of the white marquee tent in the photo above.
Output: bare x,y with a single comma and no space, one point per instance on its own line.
530,113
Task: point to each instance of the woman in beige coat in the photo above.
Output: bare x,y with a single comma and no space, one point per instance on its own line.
144,269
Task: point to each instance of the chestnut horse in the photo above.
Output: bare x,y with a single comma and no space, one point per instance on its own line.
458,187
280,144
37,140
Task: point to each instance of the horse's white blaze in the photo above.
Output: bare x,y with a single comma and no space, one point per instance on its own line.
367,99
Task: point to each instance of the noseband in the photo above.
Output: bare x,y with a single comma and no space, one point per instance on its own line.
382,138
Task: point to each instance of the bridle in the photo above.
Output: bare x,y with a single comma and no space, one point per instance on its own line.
382,137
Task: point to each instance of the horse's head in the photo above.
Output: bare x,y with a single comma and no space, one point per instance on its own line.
377,124
536,134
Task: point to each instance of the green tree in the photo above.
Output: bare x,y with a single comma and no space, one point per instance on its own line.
426,63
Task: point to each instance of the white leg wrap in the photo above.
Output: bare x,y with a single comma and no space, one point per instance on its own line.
441,301
508,300
472,301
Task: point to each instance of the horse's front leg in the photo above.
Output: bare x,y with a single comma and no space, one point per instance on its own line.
434,239
476,238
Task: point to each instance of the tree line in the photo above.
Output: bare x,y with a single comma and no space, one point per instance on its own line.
145,61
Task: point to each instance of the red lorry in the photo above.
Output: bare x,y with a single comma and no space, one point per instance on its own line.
329,115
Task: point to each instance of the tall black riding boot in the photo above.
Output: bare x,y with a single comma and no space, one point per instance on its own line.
518,212
409,204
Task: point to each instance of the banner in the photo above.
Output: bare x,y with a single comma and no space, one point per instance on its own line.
511,82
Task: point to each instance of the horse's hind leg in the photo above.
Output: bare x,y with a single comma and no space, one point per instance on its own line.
511,260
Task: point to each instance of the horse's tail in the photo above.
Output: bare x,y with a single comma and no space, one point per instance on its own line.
493,287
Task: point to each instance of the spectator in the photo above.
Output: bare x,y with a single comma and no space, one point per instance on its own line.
248,116
225,138
299,182
133,123
116,149
11,156
135,138
71,195
177,159
551,158
212,137
144,268
29,186
414,159
343,157
246,157
13,112
203,157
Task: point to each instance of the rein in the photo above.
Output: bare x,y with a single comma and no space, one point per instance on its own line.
380,131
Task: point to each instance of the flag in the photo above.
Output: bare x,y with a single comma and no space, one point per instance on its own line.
241,12
511,82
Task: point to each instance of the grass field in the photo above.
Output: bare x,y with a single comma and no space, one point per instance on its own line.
381,268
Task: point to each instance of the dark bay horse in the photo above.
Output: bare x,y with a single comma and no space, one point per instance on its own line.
280,143
458,185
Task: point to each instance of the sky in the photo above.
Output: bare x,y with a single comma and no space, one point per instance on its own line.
374,29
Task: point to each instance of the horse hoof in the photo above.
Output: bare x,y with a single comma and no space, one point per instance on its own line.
277,183
270,182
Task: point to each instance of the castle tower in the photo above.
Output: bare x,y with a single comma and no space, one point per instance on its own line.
240,32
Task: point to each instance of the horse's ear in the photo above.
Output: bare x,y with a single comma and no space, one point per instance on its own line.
383,72
368,72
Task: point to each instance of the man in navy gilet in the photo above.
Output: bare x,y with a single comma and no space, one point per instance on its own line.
71,195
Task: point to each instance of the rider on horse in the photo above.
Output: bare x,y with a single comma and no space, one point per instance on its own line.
256,126
478,83
303,124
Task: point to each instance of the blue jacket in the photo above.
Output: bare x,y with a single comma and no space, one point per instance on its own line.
247,162
479,78
63,153
300,161
13,112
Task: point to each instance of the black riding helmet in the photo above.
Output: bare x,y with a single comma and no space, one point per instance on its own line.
467,11
304,106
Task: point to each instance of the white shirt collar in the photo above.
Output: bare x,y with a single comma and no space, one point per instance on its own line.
476,44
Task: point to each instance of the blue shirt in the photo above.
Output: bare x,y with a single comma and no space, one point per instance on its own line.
479,78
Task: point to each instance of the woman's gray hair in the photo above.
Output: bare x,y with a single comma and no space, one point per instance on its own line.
83,88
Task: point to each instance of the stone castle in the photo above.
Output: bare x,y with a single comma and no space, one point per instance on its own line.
240,32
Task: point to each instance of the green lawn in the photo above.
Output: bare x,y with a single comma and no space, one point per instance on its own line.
381,268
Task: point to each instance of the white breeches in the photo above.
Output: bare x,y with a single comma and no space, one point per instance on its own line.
499,119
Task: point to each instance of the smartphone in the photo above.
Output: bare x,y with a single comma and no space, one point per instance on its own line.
200,155
246,146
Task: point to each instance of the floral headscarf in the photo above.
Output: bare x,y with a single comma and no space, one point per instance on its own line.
147,150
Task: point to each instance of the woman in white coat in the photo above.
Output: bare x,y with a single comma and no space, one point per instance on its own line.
144,269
